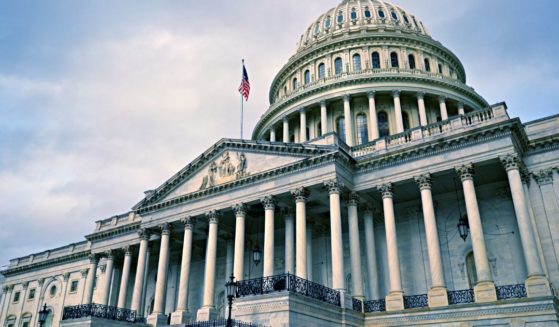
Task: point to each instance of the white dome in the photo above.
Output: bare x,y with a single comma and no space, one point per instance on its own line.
360,15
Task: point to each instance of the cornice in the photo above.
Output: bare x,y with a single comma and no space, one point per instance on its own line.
549,143
46,263
125,229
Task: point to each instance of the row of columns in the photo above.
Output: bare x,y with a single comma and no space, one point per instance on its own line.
373,121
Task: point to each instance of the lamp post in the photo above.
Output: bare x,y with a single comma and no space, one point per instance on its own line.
463,227
43,315
231,289
256,255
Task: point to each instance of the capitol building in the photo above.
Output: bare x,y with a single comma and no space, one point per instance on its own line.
378,189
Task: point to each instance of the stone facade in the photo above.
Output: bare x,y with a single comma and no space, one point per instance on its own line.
355,213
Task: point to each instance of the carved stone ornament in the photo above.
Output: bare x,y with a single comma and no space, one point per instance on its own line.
466,172
66,276
424,181
287,213
511,162
188,222
109,254
25,285
333,185
93,258
143,234
240,209
386,190
300,194
213,216
269,202
127,250
84,272
225,169
165,229
102,268
544,176
42,281
352,199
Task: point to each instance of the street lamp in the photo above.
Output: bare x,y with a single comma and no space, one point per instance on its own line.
43,315
256,255
463,227
231,289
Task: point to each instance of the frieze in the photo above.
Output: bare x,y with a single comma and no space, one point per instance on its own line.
225,169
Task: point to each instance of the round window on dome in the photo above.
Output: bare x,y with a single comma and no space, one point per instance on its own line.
381,13
406,19
328,23
367,13
317,29
340,17
394,15
353,14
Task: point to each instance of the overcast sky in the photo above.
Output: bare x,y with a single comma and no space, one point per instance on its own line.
102,100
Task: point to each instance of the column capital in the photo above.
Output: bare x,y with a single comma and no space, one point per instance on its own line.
386,190
466,172
165,229
285,119
347,97
93,258
41,281
109,254
5,289
240,209
300,194
396,93
511,162
213,216
371,94
334,185
287,212
102,268
423,181
84,272
188,222
460,104
352,199
544,176
421,95
66,276
323,103
302,110
144,234
127,250
442,98
269,202
26,284
367,208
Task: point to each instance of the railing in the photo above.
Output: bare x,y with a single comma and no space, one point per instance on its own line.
461,297
357,305
436,128
416,301
375,305
290,283
477,117
511,292
221,323
99,311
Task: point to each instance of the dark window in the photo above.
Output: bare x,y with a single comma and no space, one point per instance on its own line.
471,269
356,63
362,129
394,60
381,13
411,59
31,294
375,57
319,128
328,23
53,291
367,13
16,296
307,77
340,17
340,128
74,286
440,69
353,14
394,16
321,71
295,84
383,127
338,66
427,65
406,120
406,19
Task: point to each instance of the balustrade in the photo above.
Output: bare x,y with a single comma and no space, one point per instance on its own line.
99,311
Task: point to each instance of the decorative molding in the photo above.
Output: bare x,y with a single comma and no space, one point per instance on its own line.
544,176
120,230
224,170
269,202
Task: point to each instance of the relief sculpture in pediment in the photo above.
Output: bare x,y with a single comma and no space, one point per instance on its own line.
225,169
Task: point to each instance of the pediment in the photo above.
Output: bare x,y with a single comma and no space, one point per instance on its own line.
227,162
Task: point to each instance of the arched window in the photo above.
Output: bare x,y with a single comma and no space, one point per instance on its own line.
394,60
321,71
381,14
340,18
383,127
52,291
427,65
340,128
319,129
11,321
367,13
375,58
26,320
411,60
295,84
328,23
362,129
353,14
338,66
440,69
394,16
406,120
356,63
307,77
406,19
471,269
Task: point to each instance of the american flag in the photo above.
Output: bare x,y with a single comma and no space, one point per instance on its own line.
244,89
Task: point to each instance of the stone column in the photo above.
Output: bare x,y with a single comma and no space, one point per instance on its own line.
300,194
289,242
395,297
158,316
309,254
323,118
421,107
142,309
371,254
88,292
438,296
125,277
269,204
442,104
461,108
355,246
285,130
238,261
140,272
272,134
208,312
338,281
398,112
536,284
485,288
373,121
25,286
64,292
182,314
5,290
7,299
348,119
39,291
303,125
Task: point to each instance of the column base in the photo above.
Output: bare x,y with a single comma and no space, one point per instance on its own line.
485,292
537,286
437,297
346,301
206,314
395,301
181,317
157,319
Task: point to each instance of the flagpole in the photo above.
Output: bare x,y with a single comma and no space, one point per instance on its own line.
242,102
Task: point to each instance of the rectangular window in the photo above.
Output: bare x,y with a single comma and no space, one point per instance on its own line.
25,324
74,286
31,294
16,296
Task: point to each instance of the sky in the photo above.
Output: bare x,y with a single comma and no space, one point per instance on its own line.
102,100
